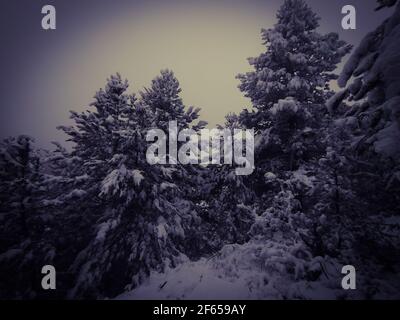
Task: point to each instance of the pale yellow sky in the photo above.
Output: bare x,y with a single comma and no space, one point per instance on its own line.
205,42
205,56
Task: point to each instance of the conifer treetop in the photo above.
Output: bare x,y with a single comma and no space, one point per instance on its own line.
298,62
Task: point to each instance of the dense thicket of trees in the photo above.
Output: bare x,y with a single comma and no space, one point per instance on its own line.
326,185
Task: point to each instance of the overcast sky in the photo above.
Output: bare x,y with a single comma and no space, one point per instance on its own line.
206,43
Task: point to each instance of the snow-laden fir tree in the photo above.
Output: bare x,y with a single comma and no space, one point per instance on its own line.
374,70
143,212
298,62
228,206
371,82
291,79
26,229
288,88
19,172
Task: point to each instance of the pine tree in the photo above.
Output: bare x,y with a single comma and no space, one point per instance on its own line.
26,235
376,86
291,80
230,203
166,105
298,62
19,168
288,89
143,211
373,76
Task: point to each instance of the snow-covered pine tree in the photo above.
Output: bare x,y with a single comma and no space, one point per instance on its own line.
70,196
164,104
331,203
19,169
163,99
288,88
26,236
229,205
291,79
373,71
144,214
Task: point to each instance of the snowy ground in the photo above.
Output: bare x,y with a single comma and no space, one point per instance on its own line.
191,280
259,270
251,271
